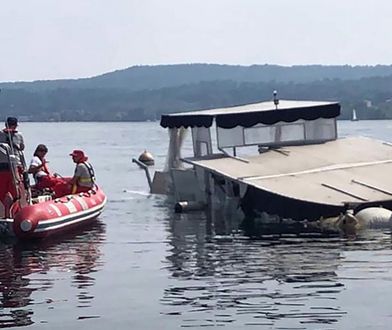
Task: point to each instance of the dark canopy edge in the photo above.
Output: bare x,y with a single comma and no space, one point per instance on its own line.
186,121
249,119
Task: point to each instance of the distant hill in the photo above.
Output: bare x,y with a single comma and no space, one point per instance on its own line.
155,77
144,93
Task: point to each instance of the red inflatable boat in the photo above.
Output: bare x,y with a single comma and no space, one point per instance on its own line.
26,216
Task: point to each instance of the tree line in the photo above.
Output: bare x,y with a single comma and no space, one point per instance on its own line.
371,96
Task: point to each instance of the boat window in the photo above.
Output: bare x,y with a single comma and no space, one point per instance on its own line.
202,149
293,132
279,134
230,137
320,129
201,137
255,134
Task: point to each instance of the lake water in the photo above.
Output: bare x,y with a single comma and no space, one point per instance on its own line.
141,266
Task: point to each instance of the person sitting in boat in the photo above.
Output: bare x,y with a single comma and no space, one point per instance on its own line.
83,179
39,169
11,133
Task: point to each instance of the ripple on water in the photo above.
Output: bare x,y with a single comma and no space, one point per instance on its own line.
35,267
286,282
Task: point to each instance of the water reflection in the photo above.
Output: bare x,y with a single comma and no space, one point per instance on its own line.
28,267
221,277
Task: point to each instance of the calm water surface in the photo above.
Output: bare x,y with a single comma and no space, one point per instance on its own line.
143,267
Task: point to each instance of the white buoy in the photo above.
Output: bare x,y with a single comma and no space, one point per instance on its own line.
147,158
374,217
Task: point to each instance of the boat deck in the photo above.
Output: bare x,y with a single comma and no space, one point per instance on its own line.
347,170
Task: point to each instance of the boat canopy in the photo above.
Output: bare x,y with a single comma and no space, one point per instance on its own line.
248,115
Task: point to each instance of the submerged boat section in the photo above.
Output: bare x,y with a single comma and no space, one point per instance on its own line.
282,157
313,180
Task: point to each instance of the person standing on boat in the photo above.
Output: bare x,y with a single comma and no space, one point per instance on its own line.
10,133
18,179
39,169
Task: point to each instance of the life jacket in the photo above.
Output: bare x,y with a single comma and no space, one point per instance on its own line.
9,136
91,179
90,171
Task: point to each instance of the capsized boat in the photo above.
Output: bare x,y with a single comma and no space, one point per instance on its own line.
296,167
38,216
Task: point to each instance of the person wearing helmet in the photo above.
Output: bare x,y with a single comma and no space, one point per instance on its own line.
84,177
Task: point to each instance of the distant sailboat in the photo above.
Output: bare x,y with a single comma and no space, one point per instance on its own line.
354,115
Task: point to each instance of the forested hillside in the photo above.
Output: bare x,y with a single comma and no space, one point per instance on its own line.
144,93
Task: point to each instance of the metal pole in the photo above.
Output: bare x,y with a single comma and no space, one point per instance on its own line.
145,168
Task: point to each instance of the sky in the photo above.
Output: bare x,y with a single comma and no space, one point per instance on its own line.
54,39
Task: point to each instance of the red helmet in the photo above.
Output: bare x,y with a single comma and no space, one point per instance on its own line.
79,154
